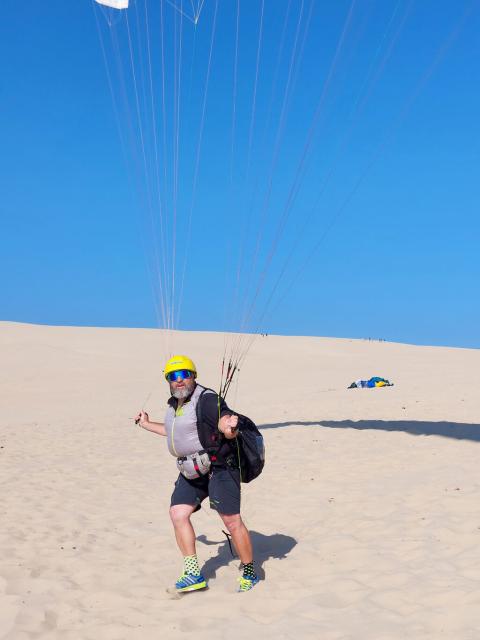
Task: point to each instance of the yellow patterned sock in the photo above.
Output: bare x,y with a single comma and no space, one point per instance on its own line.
190,565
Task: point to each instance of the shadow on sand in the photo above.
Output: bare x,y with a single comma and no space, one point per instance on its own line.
457,430
265,547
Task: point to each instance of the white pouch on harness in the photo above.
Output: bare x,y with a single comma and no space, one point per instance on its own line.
194,465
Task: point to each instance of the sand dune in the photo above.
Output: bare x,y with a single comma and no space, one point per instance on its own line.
365,522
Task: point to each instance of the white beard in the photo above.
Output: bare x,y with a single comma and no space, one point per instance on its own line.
181,394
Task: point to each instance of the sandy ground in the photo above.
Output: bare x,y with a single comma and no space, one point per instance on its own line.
365,522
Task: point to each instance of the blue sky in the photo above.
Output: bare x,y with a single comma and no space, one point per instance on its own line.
378,155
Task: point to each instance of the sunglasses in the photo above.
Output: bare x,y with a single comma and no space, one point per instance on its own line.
183,374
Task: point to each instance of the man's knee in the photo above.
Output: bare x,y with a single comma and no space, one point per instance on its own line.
180,514
232,522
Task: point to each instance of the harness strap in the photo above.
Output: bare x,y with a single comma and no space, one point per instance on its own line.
199,453
229,537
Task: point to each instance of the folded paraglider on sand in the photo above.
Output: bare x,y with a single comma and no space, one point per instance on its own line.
371,383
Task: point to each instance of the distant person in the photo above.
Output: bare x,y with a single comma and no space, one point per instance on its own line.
201,474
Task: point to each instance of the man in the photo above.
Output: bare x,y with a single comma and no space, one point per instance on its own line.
202,473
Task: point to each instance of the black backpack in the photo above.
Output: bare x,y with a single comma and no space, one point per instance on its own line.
251,449
247,450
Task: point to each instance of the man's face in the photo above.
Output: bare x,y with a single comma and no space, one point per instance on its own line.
181,387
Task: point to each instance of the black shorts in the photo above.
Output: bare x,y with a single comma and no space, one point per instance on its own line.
222,487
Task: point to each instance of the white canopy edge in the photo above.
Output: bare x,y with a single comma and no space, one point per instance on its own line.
115,4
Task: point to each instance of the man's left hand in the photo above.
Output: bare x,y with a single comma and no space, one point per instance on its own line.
228,425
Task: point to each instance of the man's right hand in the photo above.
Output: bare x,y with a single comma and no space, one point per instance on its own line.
142,419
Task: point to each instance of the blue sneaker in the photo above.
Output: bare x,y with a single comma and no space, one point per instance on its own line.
189,582
247,583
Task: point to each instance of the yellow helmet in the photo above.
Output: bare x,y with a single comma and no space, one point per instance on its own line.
179,362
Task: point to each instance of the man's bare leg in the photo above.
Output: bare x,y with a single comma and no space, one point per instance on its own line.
240,536
191,578
184,532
